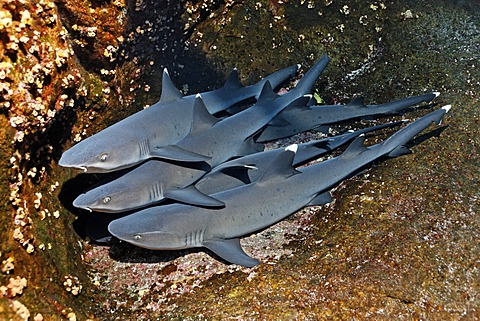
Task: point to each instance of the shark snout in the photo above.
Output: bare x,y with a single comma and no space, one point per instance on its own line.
66,161
83,201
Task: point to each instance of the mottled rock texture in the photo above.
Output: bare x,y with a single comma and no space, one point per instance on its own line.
401,240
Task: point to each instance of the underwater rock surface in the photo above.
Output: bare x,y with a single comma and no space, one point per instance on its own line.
400,240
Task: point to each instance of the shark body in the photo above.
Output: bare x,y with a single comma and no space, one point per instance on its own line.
137,137
317,117
281,191
216,140
249,168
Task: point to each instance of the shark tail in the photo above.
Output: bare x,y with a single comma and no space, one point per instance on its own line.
400,104
390,107
277,78
305,84
396,143
312,150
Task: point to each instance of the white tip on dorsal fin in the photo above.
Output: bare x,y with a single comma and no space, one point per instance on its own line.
292,148
447,108
169,92
436,93
202,119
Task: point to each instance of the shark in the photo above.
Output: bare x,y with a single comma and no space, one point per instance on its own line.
150,183
217,139
279,192
221,139
291,122
137,137
249,168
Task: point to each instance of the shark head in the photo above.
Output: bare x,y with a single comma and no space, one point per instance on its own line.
105,152
160,234
122,194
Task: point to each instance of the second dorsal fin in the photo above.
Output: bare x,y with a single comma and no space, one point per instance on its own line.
357,103
281,165
355,148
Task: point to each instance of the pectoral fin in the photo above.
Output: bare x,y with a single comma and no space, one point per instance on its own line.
250,147
176,153
399,151
191,195
231,251
279,121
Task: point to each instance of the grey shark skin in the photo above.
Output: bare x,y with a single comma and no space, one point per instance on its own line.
281,191
296,121
249,168
220,140
150,183
136,138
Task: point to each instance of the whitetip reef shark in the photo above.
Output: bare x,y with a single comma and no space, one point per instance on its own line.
218,140
279,192
291,122
137,137
249,168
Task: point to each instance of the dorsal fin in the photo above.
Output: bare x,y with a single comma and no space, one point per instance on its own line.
355,148
281,165
250,147
169,92
201,119
356,103
267,93
232,81
299,104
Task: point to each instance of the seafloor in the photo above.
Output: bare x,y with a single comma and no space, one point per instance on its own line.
401,240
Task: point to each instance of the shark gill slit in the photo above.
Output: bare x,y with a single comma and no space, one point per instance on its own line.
194,238
156,192
143,148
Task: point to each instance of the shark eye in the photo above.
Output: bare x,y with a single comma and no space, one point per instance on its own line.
106,199
137,237
103,157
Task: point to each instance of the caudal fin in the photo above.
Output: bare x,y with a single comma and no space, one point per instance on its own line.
305,84
398,140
